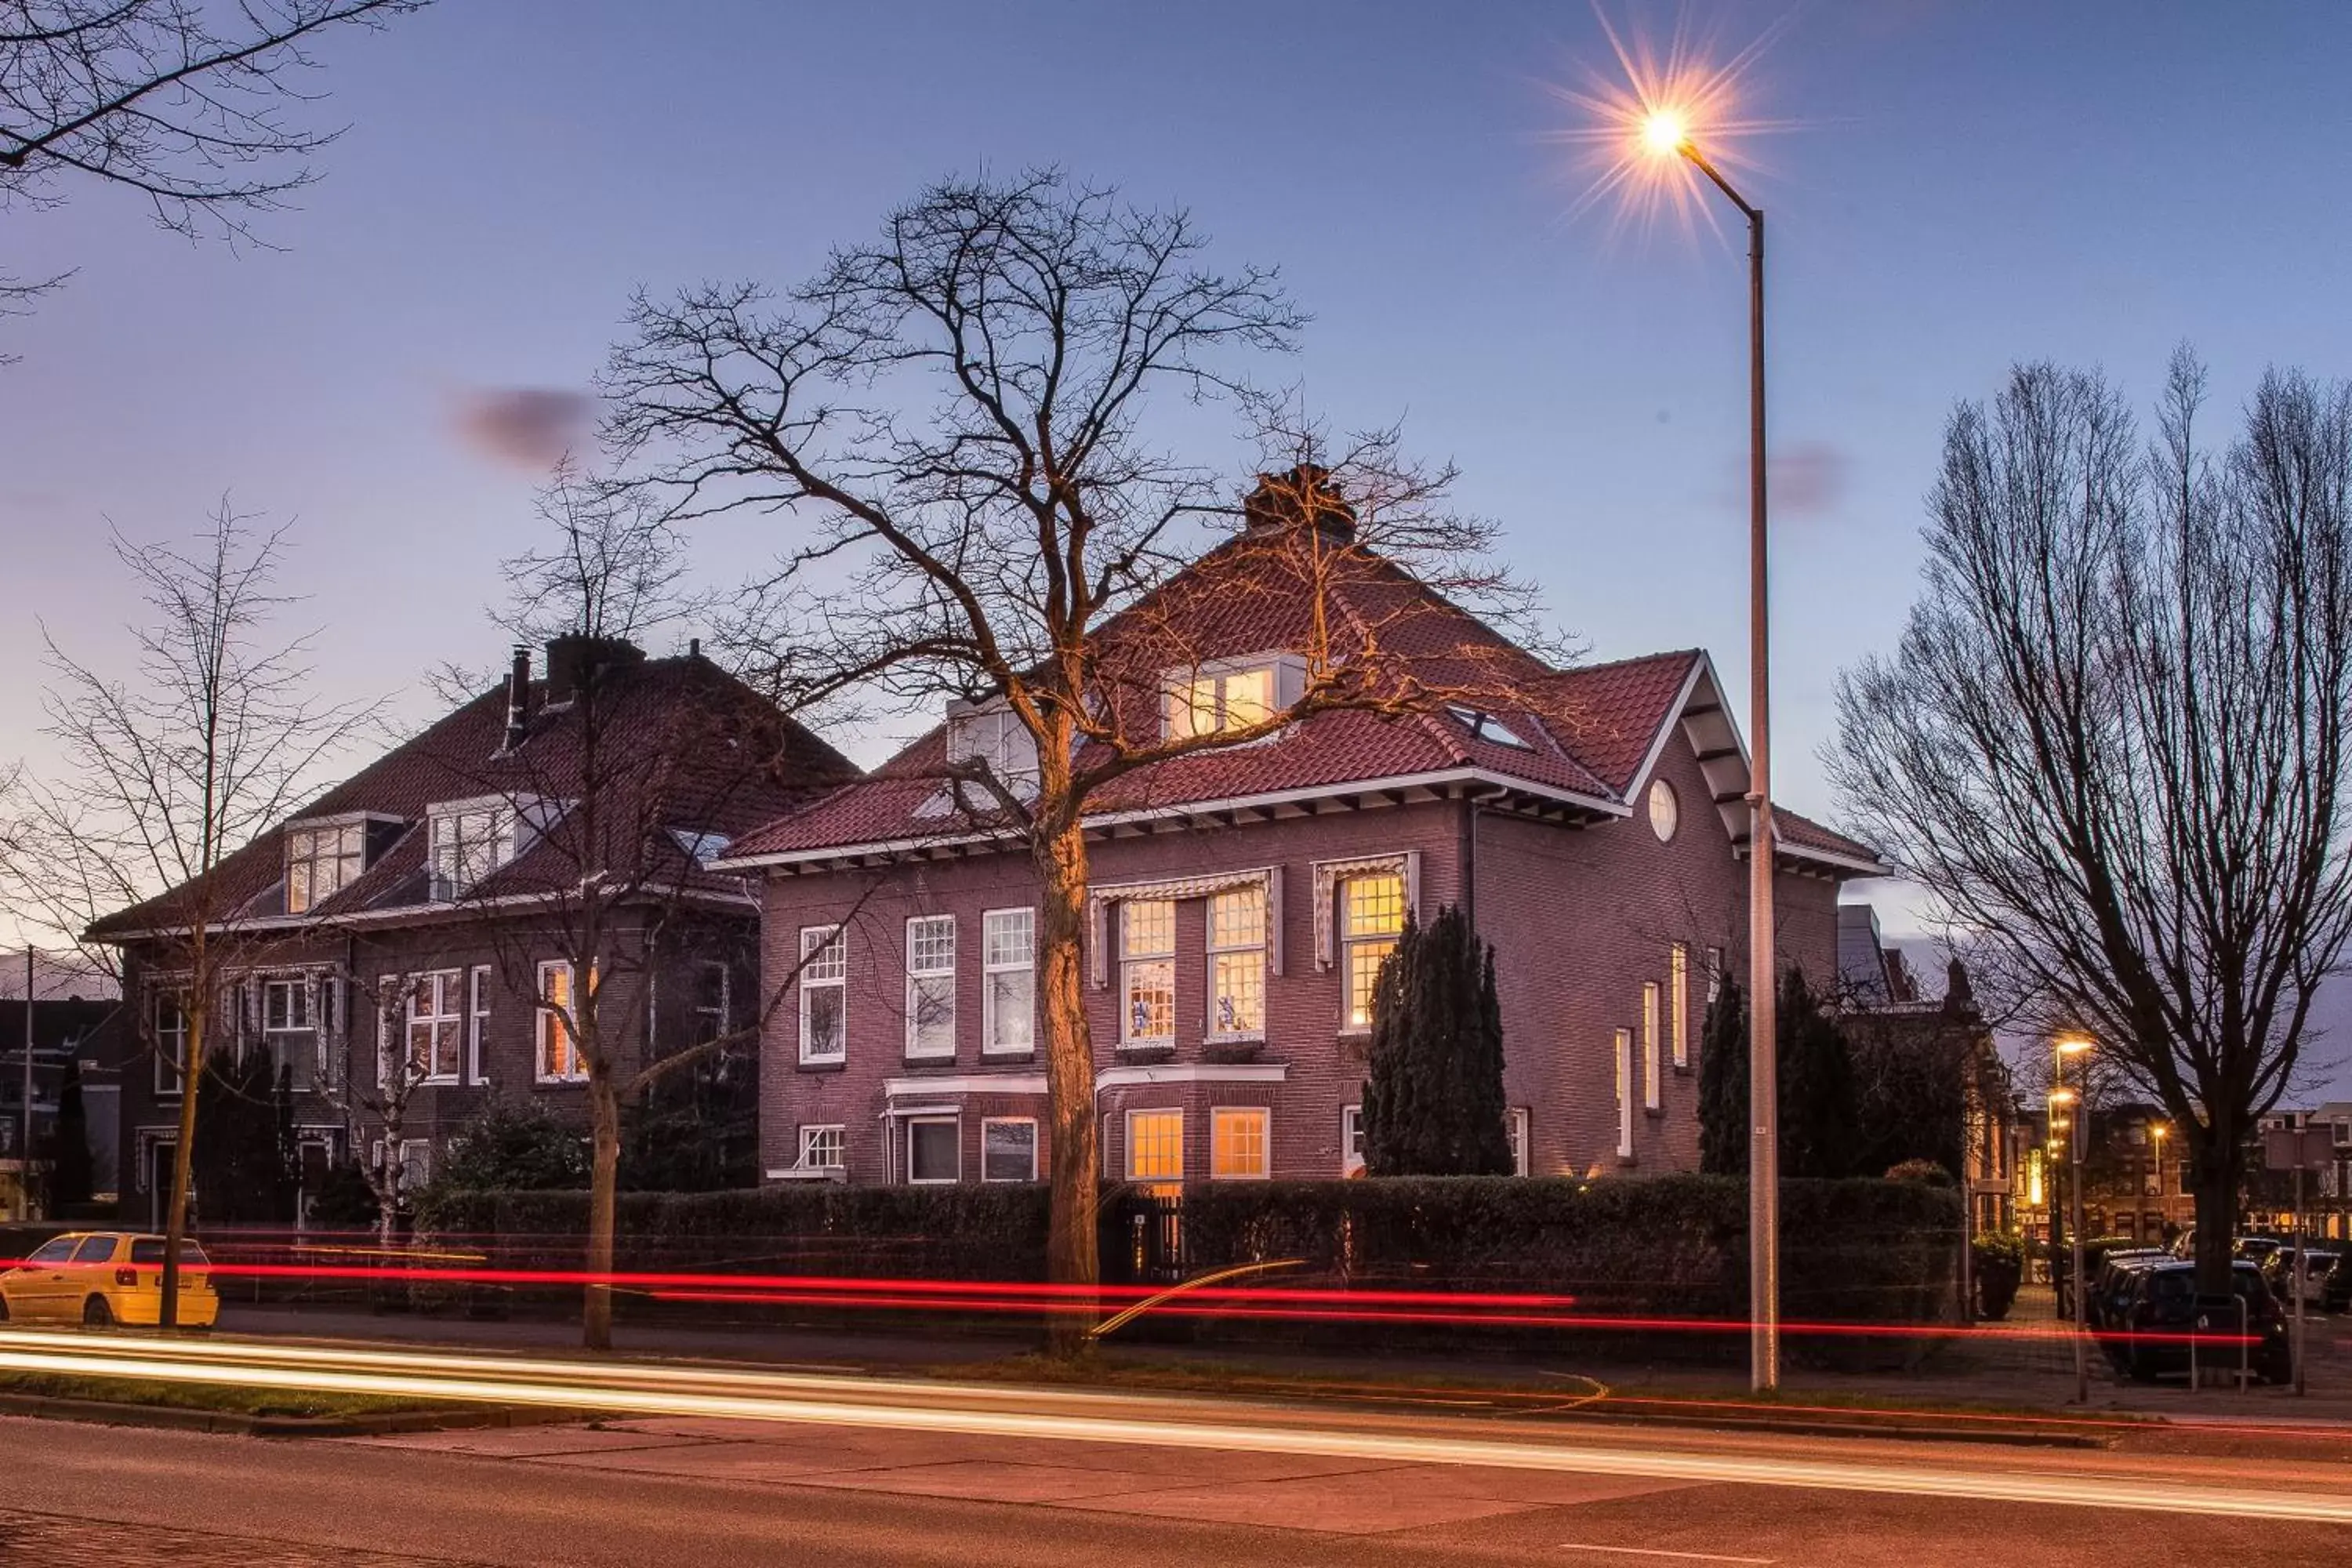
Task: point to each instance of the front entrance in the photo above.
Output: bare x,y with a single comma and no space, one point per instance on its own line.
161,1155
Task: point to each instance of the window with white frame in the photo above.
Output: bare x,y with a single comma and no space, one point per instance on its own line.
931,985
934,1149
1625,1055
1155,1146
416,1159
823,1146
321,860
1218,702
1714,975
1678,982
994,735
1147,949
1371,919
1237,1143
478,1022
1351,1140
1008,980
560,1059
825,987
1515,1125
1008,1149
171,1045
466,844
714,1011
1653,1079
1237,963
437,1024
290,1032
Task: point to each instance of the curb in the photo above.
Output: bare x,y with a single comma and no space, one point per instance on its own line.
181,1418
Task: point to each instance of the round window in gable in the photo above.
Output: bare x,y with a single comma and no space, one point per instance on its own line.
1665,811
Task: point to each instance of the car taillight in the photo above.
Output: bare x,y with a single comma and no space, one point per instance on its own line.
126,1276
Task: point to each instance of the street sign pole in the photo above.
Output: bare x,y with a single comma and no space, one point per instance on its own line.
2302,1249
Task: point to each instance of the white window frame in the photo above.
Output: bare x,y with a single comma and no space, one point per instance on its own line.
1182,714
1625,1054
1678,980
1714,975
951,1119
328,842
933,970
1653,1075
1219,1117
1351,1135
449,990
1132,962
170,1062
1251,952
466,841
721,1019
1354,947
813,1134
995,925
299,987
988,1122
1174,1111
818,973
547,1020
477,1021
1519,1129
991,733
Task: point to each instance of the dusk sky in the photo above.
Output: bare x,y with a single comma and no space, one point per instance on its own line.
1961,186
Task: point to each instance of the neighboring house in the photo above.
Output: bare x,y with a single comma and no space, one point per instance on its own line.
72,1008
396,941
2327,1191
1242,899
1928,1069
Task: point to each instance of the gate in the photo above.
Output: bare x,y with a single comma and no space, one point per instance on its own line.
1152,1236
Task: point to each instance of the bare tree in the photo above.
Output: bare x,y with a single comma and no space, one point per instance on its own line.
2112,744
208,739
951,423
183,101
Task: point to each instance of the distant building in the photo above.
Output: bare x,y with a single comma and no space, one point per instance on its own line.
75,1004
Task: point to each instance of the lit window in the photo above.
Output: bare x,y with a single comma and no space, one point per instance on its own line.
1625,1054
1221,702
824,984
290,1032
436,1025
1515,1125
1351,1140
1147,934
931,985
171,1045
1237,962
1678,977
823,1148
1237,1145
321,861
1372,917
1155,1146
1665,811
1009,980
1651,1089
468,844
1008,1149
560,1057
934,1149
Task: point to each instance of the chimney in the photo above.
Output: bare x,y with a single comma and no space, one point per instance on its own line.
574,662
1304,495
518,697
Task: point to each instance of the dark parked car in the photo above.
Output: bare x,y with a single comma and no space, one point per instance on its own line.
2151,1328
2111,1287
2327,1281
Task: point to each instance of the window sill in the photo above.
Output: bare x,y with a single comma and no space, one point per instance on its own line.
1007,1057
580,1083
1654,1112
930,1059
820,1067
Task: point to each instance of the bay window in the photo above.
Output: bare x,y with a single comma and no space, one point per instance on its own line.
1237,1145
1237,963
1146,932
1371,919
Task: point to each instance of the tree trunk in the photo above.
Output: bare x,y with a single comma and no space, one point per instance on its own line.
1072,1253
175,1215
596,1308
2217,1167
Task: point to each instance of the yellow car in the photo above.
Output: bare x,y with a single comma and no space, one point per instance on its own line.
106,1277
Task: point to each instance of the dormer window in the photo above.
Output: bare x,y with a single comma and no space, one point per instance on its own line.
325,855
991,733
1224,696
471,839
1484,726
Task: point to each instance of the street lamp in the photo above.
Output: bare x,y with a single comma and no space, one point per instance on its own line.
1665,132
2078,1126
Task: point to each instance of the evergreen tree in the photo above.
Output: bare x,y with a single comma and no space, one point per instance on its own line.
1722,1082
1434,1104
69,1162
513,1146
242,1174
696,1131
1820,1125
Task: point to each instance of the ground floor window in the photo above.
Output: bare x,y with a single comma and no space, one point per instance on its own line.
1237,1143
1008,1149
1155,1146
1514,1123
1352,1140
823,1148
934,1149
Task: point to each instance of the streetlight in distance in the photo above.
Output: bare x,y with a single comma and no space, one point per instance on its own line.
1665,132
2069,1048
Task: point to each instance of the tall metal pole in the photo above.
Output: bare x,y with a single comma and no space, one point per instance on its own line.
2080,1130
2302,1253
25,1131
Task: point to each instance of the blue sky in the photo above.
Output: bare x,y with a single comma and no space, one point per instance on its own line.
1963,186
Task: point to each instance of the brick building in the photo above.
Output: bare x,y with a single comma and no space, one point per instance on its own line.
1589,818
394,945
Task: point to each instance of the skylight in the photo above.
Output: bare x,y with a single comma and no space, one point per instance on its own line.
1485,726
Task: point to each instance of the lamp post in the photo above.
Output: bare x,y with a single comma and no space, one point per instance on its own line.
2163,1204
2077,1133
1665,134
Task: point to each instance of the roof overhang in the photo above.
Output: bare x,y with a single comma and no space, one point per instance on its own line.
425,914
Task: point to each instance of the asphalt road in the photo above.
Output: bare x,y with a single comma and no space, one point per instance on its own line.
745,1494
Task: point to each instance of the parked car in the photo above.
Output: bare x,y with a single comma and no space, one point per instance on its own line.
2327,1281
2255,1248
106,1277
2150,1330
2111,1287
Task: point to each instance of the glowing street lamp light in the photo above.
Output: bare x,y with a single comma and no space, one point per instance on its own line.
2070,1047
